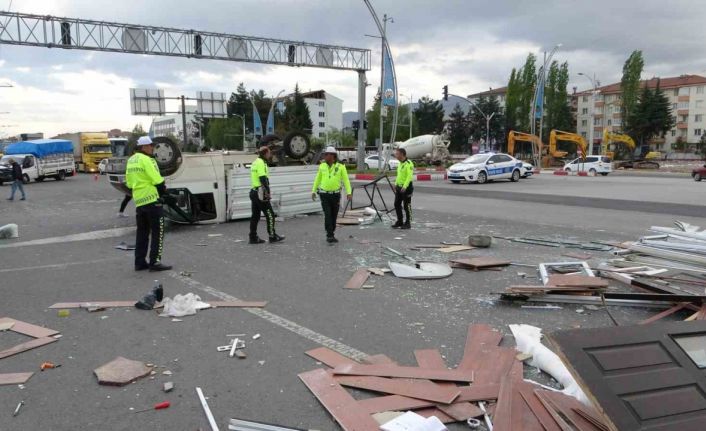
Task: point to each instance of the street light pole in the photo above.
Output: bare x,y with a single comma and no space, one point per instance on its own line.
383,36
242,121
592,111
487,128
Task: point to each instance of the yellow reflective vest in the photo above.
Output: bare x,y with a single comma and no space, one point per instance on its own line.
329,178
141,176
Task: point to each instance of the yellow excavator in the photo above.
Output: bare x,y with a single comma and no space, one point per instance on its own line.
646,162
536,146
555,156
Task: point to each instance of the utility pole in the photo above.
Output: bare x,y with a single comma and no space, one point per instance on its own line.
591,131
385,19
183,119
487,127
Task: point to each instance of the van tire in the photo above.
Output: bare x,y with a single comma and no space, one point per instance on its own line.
25,179
605,174
60,176
592,172
39,179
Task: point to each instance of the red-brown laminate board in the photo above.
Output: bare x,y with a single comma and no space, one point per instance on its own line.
339,403
358,279
502,419
564,405
526,390
406,387
665,313
479,392
378,359
97,304
495,363
591,417
404,372
31,344
28,329
14,378
329,357
430,358
461,411
481,262
480,338
522,416
393,403
563,280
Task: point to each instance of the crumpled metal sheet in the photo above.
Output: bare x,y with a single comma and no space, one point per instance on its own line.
424,271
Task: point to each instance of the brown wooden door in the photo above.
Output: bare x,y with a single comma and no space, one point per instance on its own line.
647,377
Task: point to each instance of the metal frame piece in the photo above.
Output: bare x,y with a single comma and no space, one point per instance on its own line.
544,273
74,33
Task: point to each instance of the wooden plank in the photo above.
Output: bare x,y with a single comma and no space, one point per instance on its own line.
494,364
393,403
482,262
565,405
563,280
28,329
455,248
378,359
329,357
386,370
358,279
14,378
479,392
480,338
526,391
430,358
410,388
522,416
576,255
502,419
432,411
343,221
461,411
100,304
339,403
665,313
32,344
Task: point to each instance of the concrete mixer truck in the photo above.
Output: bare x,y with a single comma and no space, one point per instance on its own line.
433,149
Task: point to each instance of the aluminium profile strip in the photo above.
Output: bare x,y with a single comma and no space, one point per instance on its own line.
670,255
242,425
544,273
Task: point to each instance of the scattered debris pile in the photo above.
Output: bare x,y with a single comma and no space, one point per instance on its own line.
487,384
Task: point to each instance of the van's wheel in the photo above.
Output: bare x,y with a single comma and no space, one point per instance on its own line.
515,176
456,181
697,177
296,145
592,173
25,179
60,176
605,174
482,178
40,179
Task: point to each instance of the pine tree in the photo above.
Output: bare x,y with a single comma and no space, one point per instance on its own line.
557,112
429,116
239,103
296,113
651,117
458,130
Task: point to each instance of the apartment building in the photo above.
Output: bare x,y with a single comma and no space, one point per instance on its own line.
686,94
500,93
325,111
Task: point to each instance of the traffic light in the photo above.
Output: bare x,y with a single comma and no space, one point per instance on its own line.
446,92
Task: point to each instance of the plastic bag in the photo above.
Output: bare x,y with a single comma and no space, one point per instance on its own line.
183,305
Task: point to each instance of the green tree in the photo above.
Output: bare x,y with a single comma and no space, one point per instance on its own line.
225,134
296,113
702,146
630,87
429,116
512,102
478,123
135,134
239,103
651,117
520,94
372,116
335,138
557,111
458,129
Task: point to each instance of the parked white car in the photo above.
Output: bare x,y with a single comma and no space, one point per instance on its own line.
102,165
371,162
592,164
482,168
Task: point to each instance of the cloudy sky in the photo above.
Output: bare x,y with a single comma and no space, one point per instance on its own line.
470,45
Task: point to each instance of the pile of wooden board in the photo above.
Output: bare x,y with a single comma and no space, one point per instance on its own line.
488,383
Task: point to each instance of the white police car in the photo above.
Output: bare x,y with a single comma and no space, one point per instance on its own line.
527,170
482,168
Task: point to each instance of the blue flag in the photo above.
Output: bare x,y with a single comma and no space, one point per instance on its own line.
257,122
539,96
389,97
271,121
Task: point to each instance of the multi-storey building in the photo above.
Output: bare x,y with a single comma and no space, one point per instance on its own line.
325,111
499,93
686,94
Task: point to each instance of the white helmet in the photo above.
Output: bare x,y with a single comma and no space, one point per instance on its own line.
144,140
330,150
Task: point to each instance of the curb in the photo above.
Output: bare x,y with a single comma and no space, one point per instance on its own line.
417,177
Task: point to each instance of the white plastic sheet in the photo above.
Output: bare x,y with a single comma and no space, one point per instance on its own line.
183,305
528,340
411,421
9,231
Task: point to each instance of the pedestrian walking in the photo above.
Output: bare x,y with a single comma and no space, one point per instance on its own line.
260,197
147,186
331,176
123,205
16,180
403,190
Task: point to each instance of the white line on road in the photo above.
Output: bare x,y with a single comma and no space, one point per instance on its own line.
277,320
85,236
57,265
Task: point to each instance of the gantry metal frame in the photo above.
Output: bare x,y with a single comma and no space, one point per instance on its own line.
73,33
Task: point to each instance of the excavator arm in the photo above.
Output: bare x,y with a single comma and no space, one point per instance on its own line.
559,135
514,137
609,138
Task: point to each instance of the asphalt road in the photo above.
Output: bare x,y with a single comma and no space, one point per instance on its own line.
302,279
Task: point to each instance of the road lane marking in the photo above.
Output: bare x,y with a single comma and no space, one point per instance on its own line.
277,320
58,265
85,236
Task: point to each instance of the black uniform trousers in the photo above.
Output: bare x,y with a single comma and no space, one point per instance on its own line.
150,222
258,207
124,203
404,199
330,203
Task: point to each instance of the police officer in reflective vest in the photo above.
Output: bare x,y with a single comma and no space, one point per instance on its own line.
327,184
260,197
403,189
147,185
